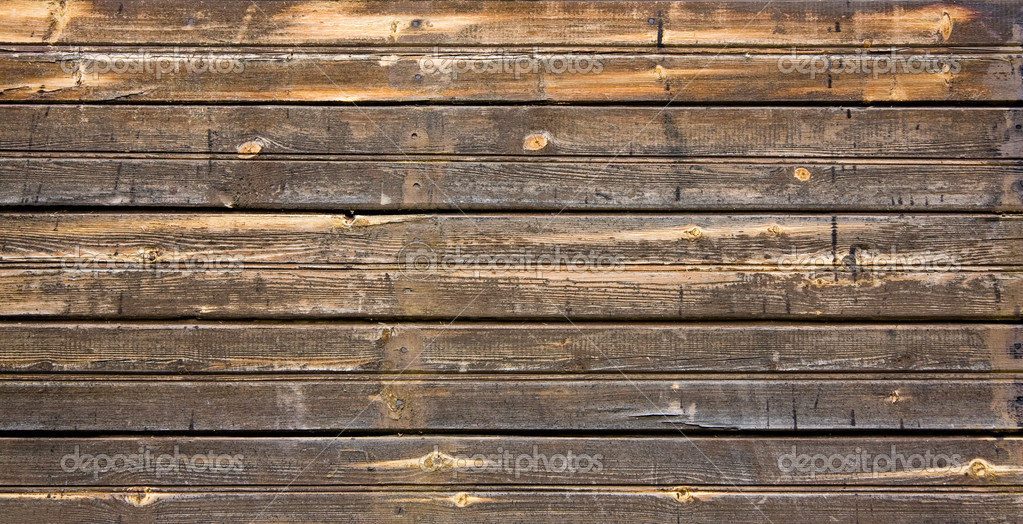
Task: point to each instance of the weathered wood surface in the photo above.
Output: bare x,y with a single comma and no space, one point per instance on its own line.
351,260
473,505
509,404
457,183
508,348
491,461
866,242
648,24
351,75
195,291
614,131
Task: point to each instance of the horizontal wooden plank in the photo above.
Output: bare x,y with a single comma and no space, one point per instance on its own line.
691,294
518,130
419,243
218,75
474,505
290,23
451,403
392,185
492,461
508,348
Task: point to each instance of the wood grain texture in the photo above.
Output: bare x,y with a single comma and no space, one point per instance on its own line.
474,505
508,404
248,131
397,184
526,75
648,24
726,462
690,294
507,348
422,243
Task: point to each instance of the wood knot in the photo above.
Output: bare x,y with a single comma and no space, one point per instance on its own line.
149,254
682,495
536,141
462,499
250,149
802,174
140,498
980,469
774,231
437,461
894,397
692,234
945,26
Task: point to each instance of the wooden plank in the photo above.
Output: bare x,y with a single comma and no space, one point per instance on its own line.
291,23
527,75
493,461
508,404
434,242
248,131
398,184
474,505
630,294
507,348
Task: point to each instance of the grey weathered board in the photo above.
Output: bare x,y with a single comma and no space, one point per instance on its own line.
367,270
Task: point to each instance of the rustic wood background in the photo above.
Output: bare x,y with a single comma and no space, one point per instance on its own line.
265,232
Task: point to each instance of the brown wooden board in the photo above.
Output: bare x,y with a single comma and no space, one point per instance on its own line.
461,347
423,242
227,292
524,75
512,461
647,24
397,183
509,404
474,505
612,131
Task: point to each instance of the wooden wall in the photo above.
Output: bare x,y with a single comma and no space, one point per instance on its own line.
303,260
